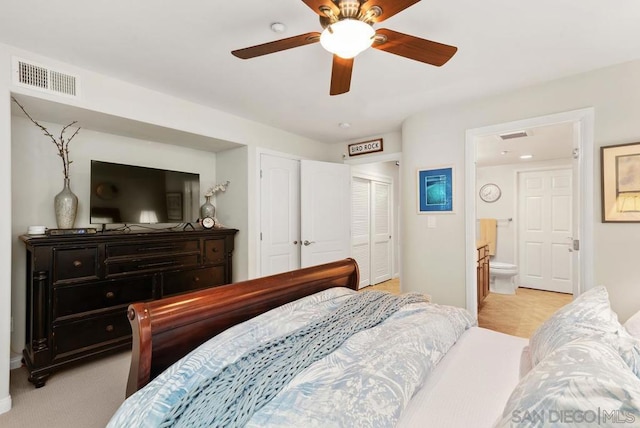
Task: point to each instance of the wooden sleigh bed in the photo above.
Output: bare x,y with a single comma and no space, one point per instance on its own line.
166,330
483,379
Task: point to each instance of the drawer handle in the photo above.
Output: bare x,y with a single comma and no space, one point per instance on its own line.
196,279
214,250
168,247
109,328
110,295
147,265
77,263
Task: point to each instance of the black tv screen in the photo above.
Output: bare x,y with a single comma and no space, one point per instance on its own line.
127,194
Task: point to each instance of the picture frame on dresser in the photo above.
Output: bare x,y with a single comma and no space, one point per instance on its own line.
174,206
620,173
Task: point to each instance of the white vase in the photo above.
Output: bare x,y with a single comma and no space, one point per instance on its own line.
66,207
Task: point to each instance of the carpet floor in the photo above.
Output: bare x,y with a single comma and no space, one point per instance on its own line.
85,396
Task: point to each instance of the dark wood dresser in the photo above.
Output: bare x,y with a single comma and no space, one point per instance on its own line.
79,287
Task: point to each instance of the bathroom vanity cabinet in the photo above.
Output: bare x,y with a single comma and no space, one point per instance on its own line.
483,271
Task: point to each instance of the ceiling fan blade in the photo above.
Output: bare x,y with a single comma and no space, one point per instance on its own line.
341,75
413,47
388,7
315,5
277,46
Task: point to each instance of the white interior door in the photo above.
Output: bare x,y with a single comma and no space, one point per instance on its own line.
545,230
361,227
279,214
577,212
381,231
325,212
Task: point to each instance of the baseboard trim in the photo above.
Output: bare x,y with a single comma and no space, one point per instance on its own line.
5,404
15,362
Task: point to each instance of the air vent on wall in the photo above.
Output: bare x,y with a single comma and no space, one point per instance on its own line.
36,76
516,134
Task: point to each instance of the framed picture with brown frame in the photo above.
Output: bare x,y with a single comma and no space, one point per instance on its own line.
620,169
174,206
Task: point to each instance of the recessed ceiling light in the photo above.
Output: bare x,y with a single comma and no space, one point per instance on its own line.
344,125
526,156
278,27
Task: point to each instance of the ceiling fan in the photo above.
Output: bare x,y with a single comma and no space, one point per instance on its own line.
348,30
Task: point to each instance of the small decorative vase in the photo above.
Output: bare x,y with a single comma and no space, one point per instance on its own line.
66,207
207,209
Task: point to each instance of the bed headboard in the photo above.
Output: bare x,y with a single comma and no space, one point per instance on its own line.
165,330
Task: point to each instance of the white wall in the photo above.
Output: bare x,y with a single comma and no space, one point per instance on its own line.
434,259
103,94
5,233
232,206
37,177
505,176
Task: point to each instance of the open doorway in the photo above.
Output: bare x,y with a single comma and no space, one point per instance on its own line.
580,126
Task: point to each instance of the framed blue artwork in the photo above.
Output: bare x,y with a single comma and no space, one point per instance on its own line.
435,190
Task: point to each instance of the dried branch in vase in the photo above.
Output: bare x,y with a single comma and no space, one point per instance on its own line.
61,144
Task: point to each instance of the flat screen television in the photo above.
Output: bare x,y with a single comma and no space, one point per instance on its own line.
128,194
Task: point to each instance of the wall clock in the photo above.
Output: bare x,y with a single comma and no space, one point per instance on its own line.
490,192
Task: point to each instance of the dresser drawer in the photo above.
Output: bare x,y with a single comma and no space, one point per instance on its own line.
147,248
82,335
75,299
75,263
121,267
214,250
180,282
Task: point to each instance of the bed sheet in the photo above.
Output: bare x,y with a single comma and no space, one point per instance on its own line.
471,384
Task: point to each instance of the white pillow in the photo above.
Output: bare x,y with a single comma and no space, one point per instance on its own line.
525,361
633,325
589,314
582,379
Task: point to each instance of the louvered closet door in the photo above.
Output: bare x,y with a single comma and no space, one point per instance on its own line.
360,228
381,231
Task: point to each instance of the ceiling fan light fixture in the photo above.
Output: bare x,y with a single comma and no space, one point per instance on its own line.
347,38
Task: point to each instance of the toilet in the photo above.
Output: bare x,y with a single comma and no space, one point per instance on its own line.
502,277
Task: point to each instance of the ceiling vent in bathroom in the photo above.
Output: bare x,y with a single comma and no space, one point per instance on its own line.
35,76
516,134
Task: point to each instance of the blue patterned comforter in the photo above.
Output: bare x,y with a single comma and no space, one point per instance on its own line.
367,381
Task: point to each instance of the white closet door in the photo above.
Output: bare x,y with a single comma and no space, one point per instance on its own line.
279,214
381,231
545,232
325,212
361,227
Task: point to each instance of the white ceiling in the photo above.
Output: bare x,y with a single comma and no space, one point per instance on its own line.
543,143
183,48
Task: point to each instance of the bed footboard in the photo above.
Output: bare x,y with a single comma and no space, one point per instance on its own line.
165,330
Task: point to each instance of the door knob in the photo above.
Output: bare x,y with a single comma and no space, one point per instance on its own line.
307,243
